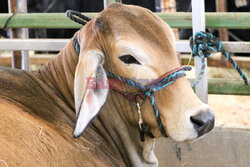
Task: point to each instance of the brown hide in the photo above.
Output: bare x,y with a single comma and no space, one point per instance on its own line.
36,121
30,141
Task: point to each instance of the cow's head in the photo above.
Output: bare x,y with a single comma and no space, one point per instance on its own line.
135,43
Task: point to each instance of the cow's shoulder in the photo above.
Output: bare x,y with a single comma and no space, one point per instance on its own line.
27,140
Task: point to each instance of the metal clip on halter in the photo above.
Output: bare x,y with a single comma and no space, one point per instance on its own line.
140,122
140,118
143,127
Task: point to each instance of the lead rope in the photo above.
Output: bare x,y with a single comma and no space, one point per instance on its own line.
204,45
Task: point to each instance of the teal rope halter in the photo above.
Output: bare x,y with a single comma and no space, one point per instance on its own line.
203,45
149,91
146,91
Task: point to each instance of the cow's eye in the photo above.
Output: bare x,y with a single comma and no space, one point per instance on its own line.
128,59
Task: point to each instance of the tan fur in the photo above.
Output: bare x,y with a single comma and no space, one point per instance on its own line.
43,102
34,102
22,143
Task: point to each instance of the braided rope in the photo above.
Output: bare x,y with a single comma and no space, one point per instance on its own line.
125,80
76,44
203,45
166,81
151,89
81,19
158,118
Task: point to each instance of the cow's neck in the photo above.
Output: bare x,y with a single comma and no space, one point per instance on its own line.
59,73
114,126
111,123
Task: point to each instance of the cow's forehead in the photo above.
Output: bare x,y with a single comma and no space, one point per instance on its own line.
132,21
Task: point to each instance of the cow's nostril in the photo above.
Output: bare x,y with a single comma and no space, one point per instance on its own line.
203,122
196,122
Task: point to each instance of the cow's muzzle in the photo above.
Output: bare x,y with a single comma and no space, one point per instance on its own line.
203,122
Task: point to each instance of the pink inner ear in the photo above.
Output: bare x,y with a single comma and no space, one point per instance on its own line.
89,98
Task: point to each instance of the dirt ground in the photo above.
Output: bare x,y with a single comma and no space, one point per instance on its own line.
230,110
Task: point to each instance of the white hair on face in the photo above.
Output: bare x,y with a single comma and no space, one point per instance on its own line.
172,33
184,129
125,47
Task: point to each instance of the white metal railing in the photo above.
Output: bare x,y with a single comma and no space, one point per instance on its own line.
57,44
199,24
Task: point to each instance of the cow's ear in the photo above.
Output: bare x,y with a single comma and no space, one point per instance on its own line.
89,95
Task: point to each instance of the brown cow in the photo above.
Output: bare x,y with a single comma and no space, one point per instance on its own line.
37,110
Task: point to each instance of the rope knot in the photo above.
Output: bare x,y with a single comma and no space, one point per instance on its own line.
204,44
